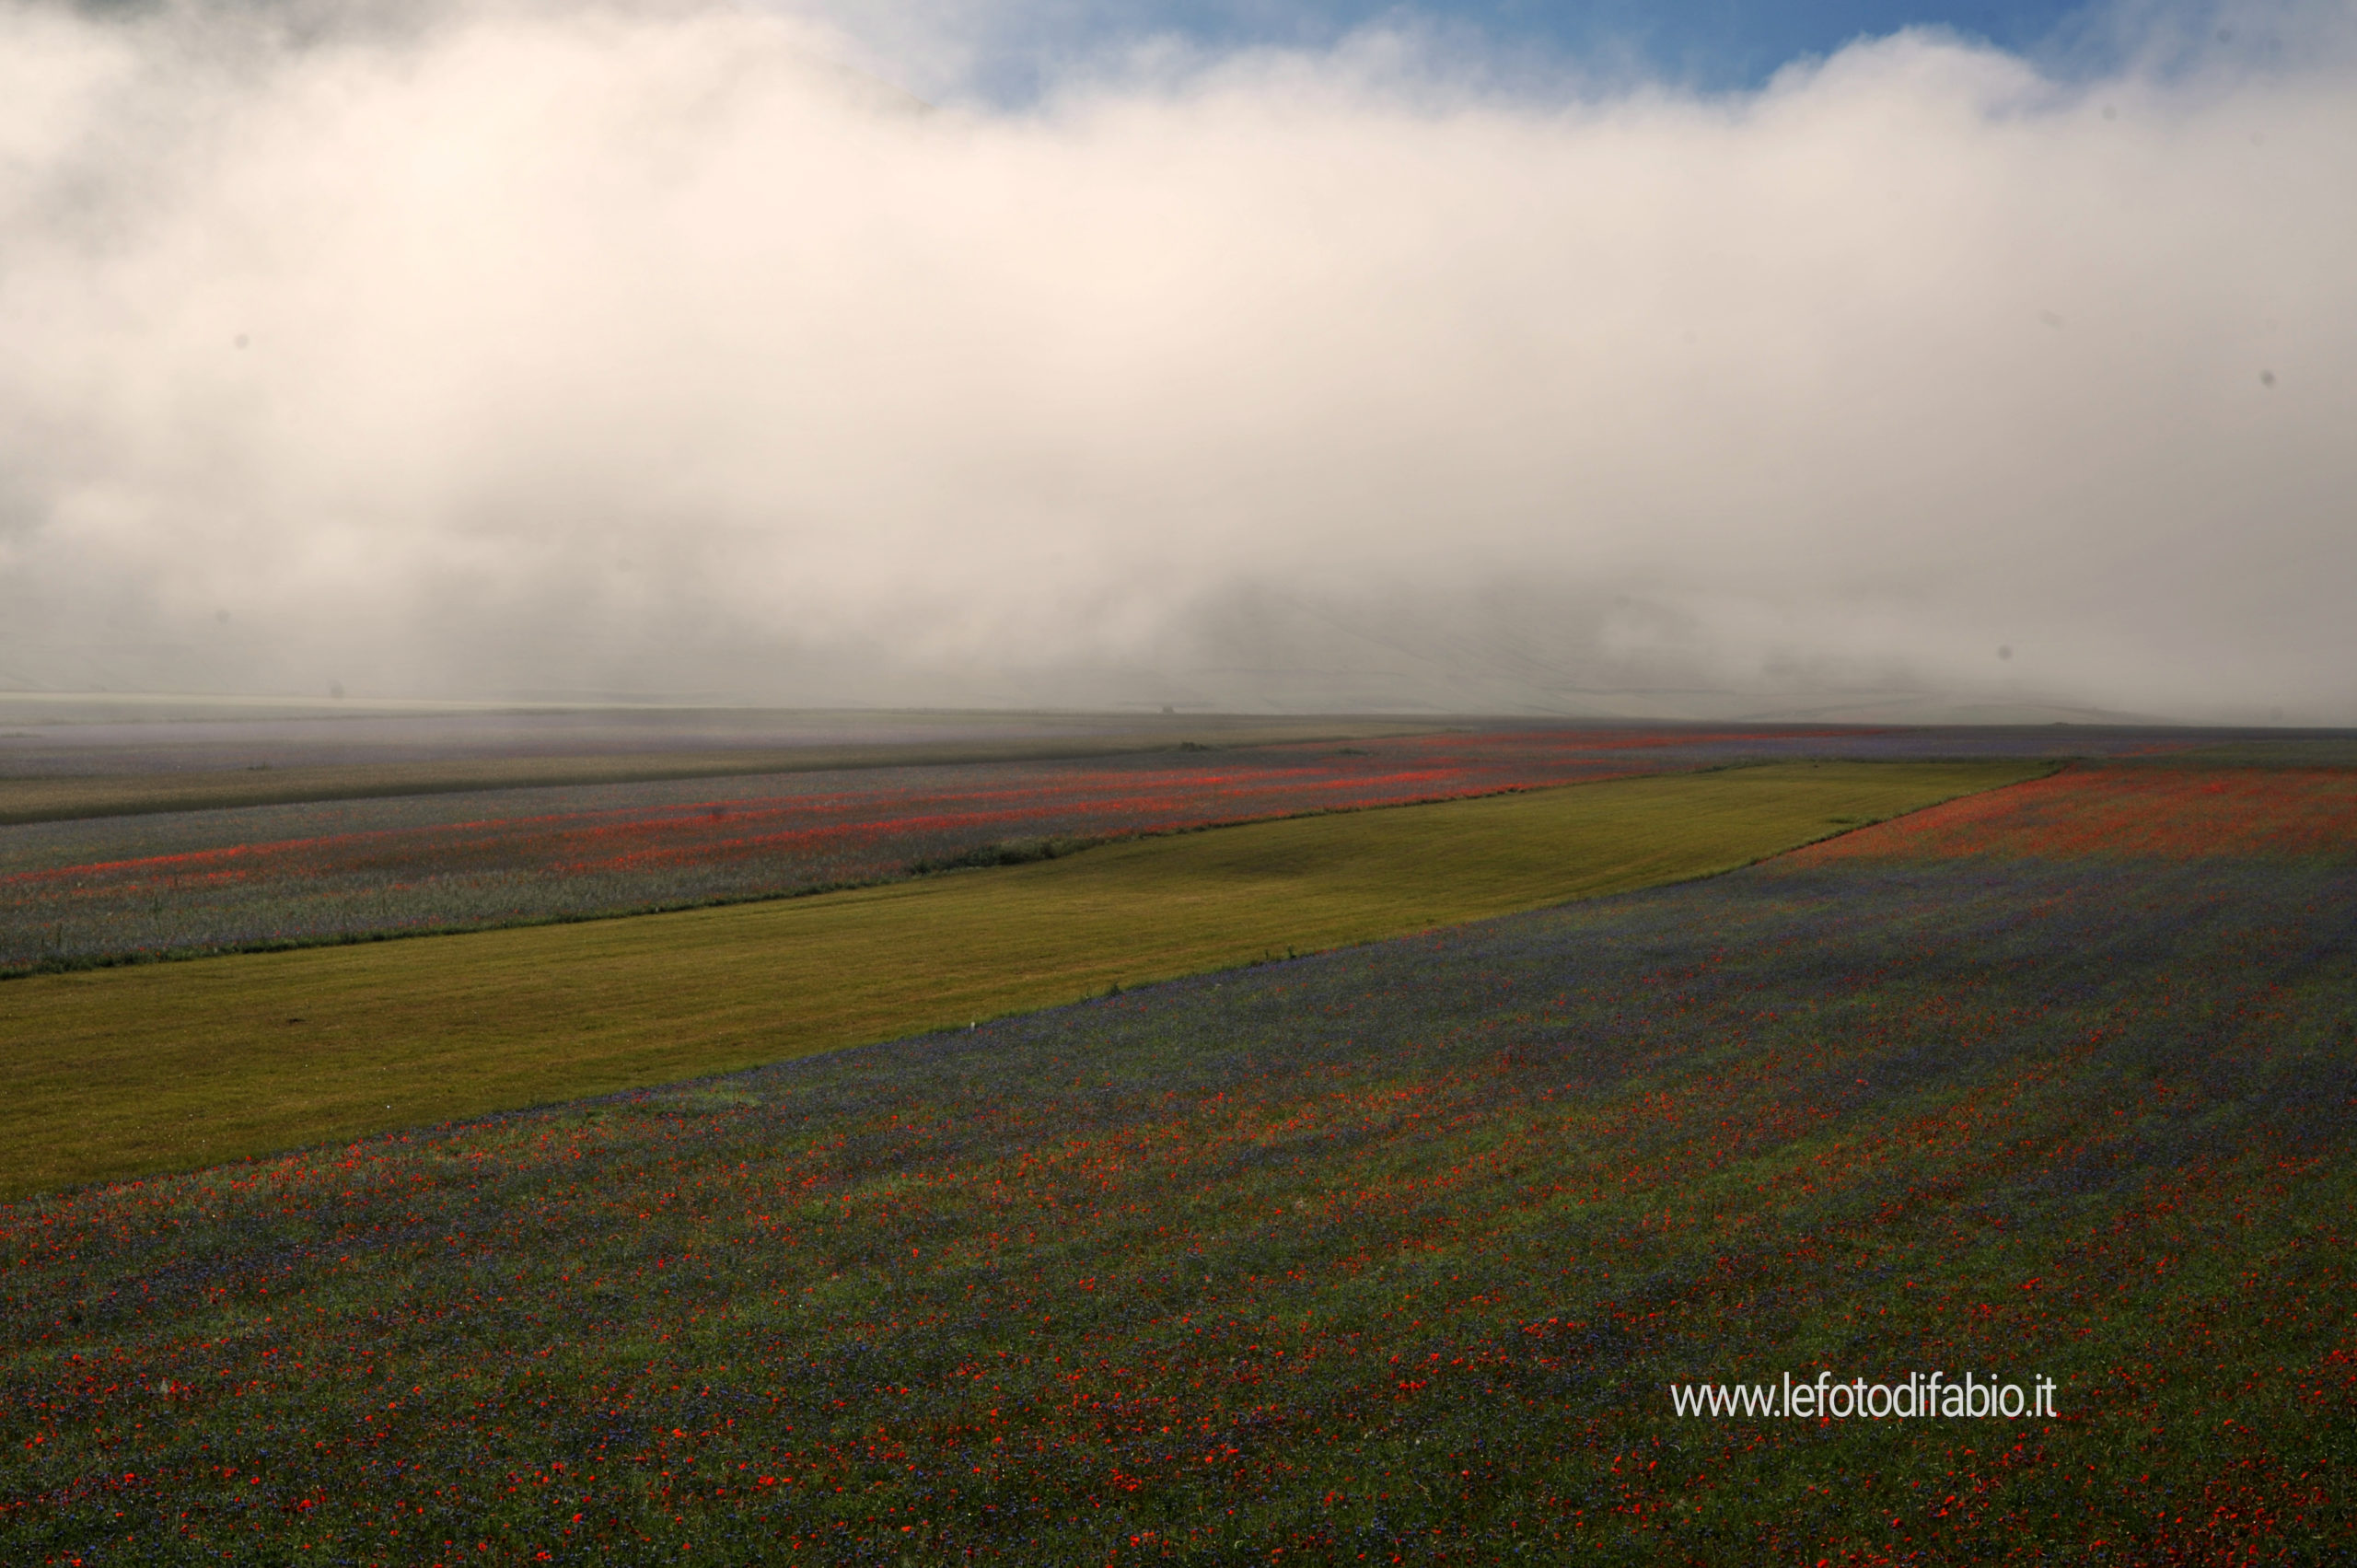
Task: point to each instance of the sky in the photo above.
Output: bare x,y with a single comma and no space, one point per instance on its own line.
1698,361
1013,55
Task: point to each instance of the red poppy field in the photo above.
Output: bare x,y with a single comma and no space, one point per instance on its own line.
2127,813
1388,1254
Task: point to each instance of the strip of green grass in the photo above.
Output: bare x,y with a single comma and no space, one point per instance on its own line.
123,1071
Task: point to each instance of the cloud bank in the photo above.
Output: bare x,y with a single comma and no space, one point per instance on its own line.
647,349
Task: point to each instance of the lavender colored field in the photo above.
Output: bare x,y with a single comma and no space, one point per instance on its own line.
180,882
1392,1253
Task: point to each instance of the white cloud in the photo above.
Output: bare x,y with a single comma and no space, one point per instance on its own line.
596,347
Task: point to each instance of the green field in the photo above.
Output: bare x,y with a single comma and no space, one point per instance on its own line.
167,1067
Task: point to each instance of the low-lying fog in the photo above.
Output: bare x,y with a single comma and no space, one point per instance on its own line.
549,349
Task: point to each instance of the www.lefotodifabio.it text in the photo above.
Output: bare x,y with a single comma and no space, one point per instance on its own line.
1922,1395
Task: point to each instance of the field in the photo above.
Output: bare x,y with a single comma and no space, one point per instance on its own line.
159,1066
120,886
1387,1253
264,765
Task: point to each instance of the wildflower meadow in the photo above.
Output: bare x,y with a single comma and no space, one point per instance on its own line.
1388,1254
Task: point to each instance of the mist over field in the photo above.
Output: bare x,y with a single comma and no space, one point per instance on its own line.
676,349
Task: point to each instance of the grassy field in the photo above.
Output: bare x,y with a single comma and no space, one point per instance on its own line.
162,1067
